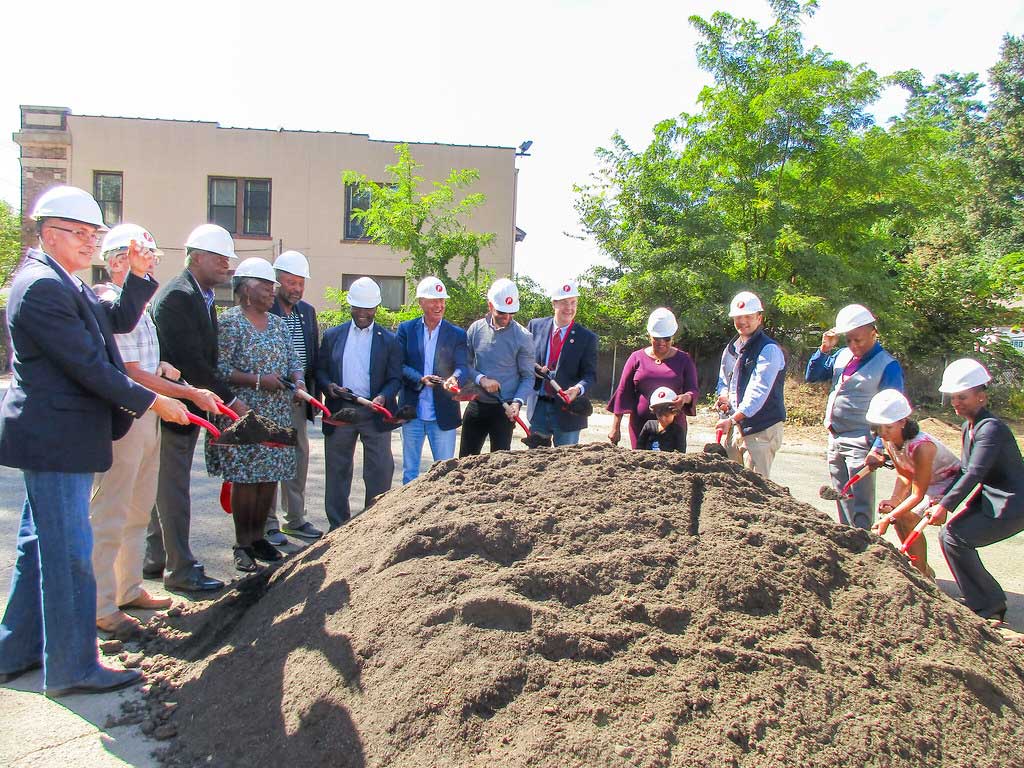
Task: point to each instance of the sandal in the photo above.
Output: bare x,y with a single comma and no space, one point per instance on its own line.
245,559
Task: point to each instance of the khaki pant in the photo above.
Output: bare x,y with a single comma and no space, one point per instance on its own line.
122,498
755,451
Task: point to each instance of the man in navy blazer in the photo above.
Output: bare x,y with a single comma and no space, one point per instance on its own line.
361,358
70,398
292,270
564,346
434,354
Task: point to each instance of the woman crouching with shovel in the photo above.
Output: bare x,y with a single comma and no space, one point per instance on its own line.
924,468
255,354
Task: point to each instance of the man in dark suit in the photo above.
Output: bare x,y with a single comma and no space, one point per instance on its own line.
68,401
564,346
186,325
361,358
434,353
292,271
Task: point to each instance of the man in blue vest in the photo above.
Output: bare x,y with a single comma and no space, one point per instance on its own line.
858,372
561,345
433,353
750,382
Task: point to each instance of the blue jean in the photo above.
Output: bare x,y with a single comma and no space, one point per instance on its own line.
51,609
545,422
442,446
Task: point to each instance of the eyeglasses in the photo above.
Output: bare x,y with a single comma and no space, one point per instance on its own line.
123,254
82,235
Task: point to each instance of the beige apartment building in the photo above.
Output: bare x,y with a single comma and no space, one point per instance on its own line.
273,189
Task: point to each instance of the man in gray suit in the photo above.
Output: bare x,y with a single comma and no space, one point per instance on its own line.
358,358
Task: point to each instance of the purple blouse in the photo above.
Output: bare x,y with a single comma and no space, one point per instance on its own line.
641,375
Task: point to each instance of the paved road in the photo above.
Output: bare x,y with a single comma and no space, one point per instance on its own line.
39,732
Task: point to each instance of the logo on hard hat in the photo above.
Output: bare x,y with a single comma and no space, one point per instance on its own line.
741,304
439,288
147,236
508,300
566,288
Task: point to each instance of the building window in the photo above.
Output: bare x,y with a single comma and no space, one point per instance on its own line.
355,201
392,289
241,206
107,188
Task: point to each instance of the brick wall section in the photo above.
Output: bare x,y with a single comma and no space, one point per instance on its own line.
45,152
35,181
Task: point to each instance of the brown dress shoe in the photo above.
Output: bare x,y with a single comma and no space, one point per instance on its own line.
119,625
147,602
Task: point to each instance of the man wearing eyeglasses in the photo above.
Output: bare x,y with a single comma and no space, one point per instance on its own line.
501,362
70,398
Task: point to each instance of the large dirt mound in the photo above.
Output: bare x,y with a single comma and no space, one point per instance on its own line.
591,607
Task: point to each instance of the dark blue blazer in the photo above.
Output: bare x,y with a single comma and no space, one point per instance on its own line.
70,397
577,362
311,332
991,458
450,355
385,368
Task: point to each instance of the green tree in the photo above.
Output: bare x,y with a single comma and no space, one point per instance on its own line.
10,241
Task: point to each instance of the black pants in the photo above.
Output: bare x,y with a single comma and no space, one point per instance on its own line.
483,420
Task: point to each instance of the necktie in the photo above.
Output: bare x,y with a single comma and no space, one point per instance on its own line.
557,340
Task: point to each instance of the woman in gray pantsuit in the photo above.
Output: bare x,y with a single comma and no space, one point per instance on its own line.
992,462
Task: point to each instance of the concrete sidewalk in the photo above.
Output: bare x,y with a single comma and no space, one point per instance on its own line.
74,731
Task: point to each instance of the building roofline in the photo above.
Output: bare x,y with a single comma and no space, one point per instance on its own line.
283,130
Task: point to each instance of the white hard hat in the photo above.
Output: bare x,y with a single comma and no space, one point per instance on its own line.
364,293
570,289
662,323
745,303
292,262
122,236
431,288
662,396
212,238
963,374
68,203
888,407
504,295
254,266
853,316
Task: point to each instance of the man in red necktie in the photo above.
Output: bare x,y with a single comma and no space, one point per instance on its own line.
569,350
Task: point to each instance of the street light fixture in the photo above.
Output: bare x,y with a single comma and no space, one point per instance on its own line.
524,149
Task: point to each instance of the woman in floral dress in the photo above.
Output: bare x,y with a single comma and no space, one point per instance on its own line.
255,356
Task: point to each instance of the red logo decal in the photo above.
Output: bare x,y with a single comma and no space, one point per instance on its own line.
566,288
147,236
508,300
741,304
439,288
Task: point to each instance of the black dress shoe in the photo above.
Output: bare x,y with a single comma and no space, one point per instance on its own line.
197,582
265,551
102,680
6,677
152,571
245,559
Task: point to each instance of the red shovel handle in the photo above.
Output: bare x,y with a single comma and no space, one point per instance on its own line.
225,497
200,421
861,474
228,412
718,436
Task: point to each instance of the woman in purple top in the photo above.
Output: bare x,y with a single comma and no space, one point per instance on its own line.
659,365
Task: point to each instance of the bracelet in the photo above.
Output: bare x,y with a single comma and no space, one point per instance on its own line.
258,376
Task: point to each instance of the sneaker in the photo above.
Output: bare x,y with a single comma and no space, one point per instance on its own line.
275,537
245,559
262,550
306,531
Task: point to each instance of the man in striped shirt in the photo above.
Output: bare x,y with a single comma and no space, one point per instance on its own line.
300,317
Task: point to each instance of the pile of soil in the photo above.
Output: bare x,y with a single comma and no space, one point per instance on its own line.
253,428
589,606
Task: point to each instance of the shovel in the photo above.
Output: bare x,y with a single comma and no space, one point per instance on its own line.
225,488
581,406
716,447
927,519
476,392
830,493
404,414
328,417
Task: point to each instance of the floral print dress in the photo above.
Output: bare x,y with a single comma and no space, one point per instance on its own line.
243,347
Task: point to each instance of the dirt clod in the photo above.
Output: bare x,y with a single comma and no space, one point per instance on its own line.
589,606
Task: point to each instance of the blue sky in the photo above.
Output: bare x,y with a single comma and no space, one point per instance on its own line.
563,74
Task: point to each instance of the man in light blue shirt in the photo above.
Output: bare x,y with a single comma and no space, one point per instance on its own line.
434,356
750,384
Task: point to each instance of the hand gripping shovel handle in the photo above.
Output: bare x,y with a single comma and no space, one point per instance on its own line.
304,395
918,529
861,474
550,377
